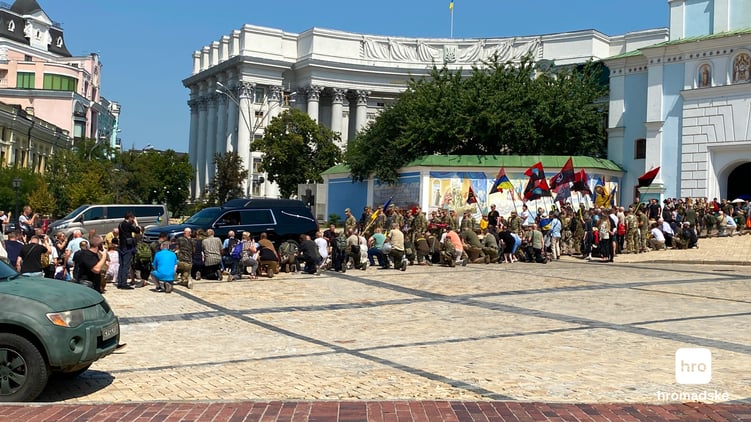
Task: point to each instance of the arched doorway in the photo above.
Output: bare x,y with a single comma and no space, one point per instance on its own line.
738,182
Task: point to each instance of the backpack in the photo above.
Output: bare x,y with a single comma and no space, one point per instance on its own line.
288,250
237,251
143,252
341,243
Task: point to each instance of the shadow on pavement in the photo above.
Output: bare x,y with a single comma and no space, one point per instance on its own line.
61,388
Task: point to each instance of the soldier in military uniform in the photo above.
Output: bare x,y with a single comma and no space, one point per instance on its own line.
632,232
515,223
351,222
453,221
567,236
448,252
468,222
419,223
490,245
642,221
577,224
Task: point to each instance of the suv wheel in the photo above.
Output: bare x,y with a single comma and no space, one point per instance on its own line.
23,371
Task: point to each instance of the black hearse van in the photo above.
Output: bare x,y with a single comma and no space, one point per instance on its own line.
281,219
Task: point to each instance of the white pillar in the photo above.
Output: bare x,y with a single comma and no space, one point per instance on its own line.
245,123
275,102
314,95
220,144
193,146
233,116
201,143
336,112
211,136
362,109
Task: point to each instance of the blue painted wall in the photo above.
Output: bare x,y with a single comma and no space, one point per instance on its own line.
699,18
740,14
672,85
633,120
343,193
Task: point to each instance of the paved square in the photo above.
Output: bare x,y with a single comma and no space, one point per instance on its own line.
568,331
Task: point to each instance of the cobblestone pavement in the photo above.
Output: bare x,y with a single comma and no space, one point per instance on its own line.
483,339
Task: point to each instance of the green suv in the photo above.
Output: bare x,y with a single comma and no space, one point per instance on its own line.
49,327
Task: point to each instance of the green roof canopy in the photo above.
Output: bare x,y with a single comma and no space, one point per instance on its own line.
552,162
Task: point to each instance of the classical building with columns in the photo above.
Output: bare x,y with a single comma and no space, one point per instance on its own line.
685,105
340,79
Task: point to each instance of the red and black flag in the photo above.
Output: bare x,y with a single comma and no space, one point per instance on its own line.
536,172
647,178
536,189
581,183
564,176
471,197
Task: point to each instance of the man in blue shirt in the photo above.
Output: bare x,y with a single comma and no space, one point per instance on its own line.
555,236
376,247
164,268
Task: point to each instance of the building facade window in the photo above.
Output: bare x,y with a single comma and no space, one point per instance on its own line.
742,68
60,83
259,95
25,80
640,149
705,76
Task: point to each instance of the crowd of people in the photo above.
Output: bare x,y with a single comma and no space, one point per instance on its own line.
451,237
385,238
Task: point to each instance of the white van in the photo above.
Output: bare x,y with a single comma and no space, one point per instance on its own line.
105,217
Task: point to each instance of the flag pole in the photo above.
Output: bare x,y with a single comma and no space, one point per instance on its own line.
513,201
451,8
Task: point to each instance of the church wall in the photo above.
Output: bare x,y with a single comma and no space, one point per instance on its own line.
634,116
672,128
699,18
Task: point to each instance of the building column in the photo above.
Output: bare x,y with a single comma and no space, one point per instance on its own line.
314,96
337,106
201,148
362,109
211,137
220,145
193,145
275,102
244,126
233,121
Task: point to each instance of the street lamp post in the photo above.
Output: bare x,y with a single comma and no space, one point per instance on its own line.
252,128
16,187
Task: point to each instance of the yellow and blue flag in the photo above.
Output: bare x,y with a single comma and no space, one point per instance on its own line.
451,5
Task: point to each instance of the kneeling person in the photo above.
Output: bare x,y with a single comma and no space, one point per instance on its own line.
164,267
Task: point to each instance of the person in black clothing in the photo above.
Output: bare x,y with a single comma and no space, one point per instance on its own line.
128,228
29,261
89,263
493,216
13,247
337,253
308,255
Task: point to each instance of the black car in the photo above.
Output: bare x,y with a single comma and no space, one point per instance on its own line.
280,219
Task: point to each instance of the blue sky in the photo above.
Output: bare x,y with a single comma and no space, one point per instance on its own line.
146,46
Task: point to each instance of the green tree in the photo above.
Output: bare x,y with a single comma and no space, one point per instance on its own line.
296,150
228,180
496,108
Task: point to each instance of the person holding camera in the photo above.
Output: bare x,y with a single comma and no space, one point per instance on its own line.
127,229
89,263
26,223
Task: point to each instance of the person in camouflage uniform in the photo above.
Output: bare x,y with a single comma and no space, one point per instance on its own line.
567,236
351,222
467,223
419,223
448,252
632,232
577,223
642,221
490,245
453,221
515,223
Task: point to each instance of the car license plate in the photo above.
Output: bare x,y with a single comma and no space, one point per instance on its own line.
110,331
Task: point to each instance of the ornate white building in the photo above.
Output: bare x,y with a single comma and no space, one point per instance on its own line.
341,79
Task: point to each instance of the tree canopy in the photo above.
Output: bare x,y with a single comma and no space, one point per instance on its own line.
229,178
497,108
296,150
